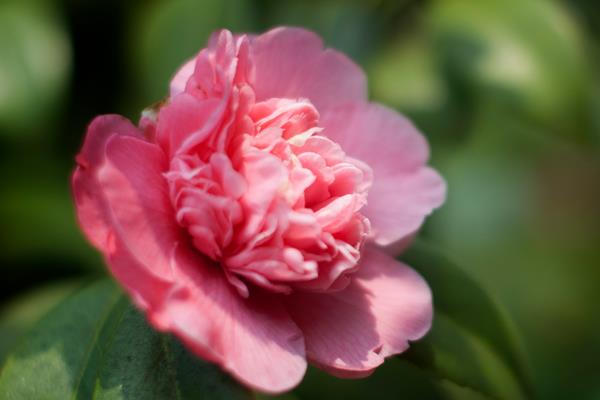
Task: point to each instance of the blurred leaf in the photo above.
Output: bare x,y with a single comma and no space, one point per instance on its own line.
348,26
34,64
404,75
168,33
96,344
529,55
472,343
395,379
21,313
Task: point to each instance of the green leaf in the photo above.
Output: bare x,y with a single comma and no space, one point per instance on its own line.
395,379
472,343
21,313
97,345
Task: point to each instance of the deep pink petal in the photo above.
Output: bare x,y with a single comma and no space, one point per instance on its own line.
350,332
89,202
252,338
404,189
291,63
136,196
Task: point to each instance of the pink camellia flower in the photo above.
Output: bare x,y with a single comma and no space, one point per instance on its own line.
253,212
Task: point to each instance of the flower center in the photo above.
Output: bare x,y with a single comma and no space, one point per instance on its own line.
280,206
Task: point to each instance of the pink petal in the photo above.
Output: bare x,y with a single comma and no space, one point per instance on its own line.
89,203
404,189
252,338
350,332
187,121
181,78
136,196
397,205
291,63
95,215
146,289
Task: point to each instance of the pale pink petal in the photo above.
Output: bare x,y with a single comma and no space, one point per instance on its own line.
252,338
404,189
350,332
291,63
181,78
396,214
89,203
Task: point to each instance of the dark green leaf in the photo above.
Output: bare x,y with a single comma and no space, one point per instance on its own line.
471,343
97,345
21,313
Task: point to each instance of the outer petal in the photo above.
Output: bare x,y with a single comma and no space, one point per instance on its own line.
254,339
89,202
404,190
181,78
136,195
350,332
96,218
291,62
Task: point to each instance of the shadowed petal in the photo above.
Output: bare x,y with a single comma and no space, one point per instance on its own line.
254,339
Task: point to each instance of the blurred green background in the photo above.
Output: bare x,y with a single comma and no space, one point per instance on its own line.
507,91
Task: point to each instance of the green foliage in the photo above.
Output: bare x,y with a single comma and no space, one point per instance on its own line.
472,342
17,317
527,54
97,345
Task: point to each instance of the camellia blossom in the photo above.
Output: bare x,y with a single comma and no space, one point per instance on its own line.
255,212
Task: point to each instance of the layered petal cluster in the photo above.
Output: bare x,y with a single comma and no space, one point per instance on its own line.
254,211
